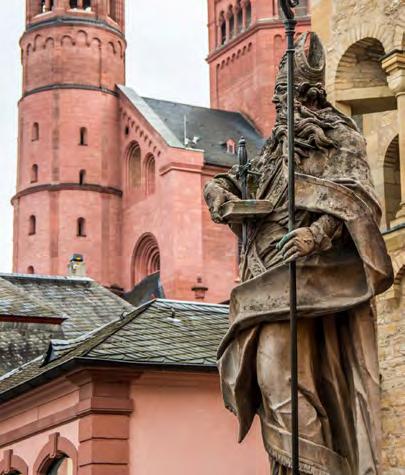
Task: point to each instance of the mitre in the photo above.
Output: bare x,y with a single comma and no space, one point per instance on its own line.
309,61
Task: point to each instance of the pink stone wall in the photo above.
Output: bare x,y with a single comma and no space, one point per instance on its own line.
180,426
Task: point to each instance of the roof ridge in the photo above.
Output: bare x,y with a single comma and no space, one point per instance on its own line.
63,278
190,302
33,299
119,322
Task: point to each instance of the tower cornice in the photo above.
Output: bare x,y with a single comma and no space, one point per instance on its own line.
72,21
56,86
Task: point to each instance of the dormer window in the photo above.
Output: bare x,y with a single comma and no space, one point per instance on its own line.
231,146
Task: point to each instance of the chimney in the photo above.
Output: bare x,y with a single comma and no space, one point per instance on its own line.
199,289
77,266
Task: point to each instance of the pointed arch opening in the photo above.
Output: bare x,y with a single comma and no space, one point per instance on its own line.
150,174
392,181
146,258
133,159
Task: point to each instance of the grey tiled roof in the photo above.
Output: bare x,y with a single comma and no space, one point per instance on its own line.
213,127
84,304
161,333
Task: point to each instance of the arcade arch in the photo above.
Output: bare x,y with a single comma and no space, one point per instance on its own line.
146,258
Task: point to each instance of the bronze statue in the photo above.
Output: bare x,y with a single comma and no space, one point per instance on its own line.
342,263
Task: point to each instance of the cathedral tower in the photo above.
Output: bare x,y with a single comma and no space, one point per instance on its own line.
246,42
68,198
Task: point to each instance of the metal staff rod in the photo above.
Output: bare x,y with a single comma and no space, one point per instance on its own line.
290,23
243,175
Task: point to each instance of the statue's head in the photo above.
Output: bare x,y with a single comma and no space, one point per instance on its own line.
309,77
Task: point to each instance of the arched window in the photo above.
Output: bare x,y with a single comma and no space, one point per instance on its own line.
87,5
133,165
43,6
231,22
12,464
35,131
81,227
83,136
34,173
248,14
146,258
32,225
150,174
30,270
222,29
61,466
239,17
392,181
82,177
73,4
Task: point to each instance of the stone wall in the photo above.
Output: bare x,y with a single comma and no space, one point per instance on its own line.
356,34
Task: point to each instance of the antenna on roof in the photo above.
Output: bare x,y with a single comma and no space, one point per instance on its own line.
186,140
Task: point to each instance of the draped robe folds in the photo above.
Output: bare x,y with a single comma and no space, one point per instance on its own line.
338,366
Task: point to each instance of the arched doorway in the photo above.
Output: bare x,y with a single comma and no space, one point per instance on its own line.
360,81
146,258
392,181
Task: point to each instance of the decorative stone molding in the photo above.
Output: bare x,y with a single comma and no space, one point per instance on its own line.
11,463
394,66
56,447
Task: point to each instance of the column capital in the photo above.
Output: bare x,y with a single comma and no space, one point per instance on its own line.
394,65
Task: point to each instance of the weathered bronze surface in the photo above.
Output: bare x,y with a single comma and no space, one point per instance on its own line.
342,263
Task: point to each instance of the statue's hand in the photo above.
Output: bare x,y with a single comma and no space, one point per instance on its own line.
215,198
298,243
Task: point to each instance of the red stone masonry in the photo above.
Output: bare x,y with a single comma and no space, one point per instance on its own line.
246,42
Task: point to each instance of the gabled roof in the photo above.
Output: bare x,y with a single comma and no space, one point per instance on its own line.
56,307
213,127
162,333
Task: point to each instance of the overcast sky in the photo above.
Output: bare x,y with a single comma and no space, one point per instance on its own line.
167,44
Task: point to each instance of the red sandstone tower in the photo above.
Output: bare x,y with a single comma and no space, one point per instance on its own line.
246,41
68,187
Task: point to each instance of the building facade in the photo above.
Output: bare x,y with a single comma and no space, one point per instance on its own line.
118,179
364,42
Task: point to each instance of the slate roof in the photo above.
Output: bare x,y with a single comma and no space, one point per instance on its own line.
161,333
213,127
79,304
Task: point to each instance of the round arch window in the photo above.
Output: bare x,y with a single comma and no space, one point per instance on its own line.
62,466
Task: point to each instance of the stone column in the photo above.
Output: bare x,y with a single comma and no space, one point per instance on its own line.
394,66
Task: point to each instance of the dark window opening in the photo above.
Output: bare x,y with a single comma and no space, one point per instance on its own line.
239,19
32,225
248,14
81,227
34,173
87,5
35,131
112,10
43,6
127,130
30,270
82,177
73,3
223,32
83,136
231,24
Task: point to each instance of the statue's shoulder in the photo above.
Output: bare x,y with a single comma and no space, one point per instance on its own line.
345,134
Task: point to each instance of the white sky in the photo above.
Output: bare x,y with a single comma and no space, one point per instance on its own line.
167,44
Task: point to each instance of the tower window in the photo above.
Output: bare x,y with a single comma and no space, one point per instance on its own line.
82,177
34,173
112,9
30,270
32,226
239,18
83,136
231,23
222,29
150,174
46,6
35,131
73,4
81,227
248,14
87,5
